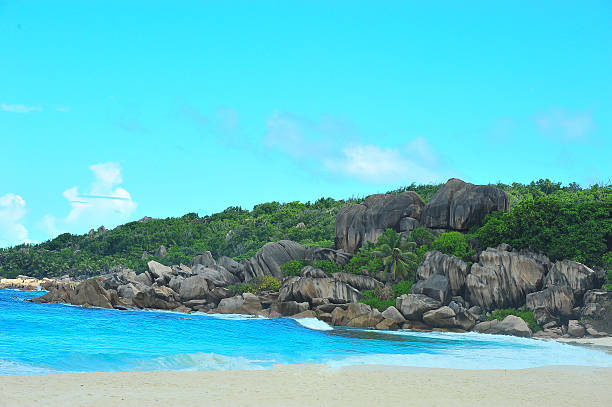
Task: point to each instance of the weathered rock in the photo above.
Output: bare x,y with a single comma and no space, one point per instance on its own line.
436,287
217,275
575,329
367,317
161,251
198,305
458,205
156,297
314,253
338,316
269,259
555,300
217,294
453,268
413,306
290,307
356,224
416,326
206,259
463,317
183,309
193,288
231,265
305,314
358,281
130,290
91,293
574,275
511,325
246,303
302,289
325,317
602,297
144,278
441,317
408,224
312,272
394,314
501,279
388,325
159,273
543,316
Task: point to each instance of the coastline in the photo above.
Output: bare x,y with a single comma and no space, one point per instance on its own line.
316,385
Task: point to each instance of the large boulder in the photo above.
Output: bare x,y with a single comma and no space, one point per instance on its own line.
290,307
443,317
436,287
554,300
246,303
358,281
453,268
159,297
574,275
458,205
502,279
302,289
511,325
231,265
413,306
393,314
217,275
356,224
205,260
314,253
91,292
269,259
159,273
193,288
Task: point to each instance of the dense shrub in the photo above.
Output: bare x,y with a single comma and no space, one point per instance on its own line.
255,285
453,243
422,236
561,229
329,267
527,316
382,298
294,267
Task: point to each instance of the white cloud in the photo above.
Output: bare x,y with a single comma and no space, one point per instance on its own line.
104,203
12,212
376,164
19,108
559,124
332,144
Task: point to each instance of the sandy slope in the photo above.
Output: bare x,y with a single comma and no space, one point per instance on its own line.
309,385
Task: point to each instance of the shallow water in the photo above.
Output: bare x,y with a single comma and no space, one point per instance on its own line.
54,338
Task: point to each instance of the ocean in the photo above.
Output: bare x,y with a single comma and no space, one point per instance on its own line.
57,338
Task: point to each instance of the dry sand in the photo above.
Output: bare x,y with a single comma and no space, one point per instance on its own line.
311,385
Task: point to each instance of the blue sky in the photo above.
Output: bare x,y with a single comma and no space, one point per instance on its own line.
110,111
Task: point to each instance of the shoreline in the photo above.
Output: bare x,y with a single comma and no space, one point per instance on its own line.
316,385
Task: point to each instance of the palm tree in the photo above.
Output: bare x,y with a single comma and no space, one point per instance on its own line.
399,261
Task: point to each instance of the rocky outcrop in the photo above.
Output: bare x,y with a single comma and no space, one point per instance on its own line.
443,317
231,265
193,288
90,293
217,275
502,279
452,267
554,300
302,289
578,277
22,283
246,303
360,282
314,253
436,287
205,260
458,205
413,306
511,325
269,259
393,314
356,224
357,315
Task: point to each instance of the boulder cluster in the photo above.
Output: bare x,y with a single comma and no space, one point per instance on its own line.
449,294
457,205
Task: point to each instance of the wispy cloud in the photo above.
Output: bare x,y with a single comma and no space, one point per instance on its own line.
565,126
19,108
333,144
104,203
12,213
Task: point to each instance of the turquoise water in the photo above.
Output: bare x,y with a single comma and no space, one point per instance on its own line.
53,338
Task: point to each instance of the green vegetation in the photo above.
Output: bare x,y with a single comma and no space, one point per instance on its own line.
454,243
562,222
399,260
256,285
527,316
294,267
382,298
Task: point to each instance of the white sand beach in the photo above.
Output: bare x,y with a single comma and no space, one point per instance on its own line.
313,385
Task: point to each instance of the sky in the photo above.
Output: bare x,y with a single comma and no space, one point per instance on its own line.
115,110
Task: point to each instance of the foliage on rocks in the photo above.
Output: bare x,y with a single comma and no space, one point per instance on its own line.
527,316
